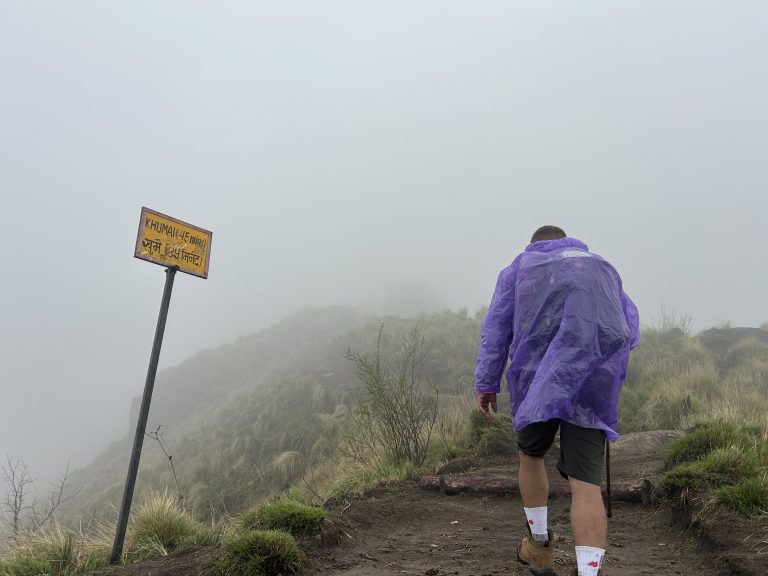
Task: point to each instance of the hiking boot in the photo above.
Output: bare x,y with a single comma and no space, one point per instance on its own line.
538,556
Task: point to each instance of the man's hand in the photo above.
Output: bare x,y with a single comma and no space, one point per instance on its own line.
483,400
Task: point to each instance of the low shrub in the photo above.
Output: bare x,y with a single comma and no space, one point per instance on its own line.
260,553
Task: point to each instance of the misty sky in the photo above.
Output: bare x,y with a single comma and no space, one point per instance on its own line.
339,148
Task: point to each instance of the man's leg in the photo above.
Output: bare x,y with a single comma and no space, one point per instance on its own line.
581,461
588,520
536,549
534,483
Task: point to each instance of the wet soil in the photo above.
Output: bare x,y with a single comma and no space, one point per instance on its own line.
405,530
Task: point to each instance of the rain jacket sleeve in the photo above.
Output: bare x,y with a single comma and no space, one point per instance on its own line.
633,319
496,332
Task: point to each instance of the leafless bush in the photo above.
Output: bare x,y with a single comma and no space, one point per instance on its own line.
396,416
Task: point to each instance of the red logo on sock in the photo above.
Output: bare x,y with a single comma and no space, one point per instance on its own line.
594,564
530,522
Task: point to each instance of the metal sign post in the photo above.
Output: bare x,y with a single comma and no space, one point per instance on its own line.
179,246
141,427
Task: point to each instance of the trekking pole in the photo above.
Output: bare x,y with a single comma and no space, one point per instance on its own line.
608,474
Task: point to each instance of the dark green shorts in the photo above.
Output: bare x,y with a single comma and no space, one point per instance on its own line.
581,449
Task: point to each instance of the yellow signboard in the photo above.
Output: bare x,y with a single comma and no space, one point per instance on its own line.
169,242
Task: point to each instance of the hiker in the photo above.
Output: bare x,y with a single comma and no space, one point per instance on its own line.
560,315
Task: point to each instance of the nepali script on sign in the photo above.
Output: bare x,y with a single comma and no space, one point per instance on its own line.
170,242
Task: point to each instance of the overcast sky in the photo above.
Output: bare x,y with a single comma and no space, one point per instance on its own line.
338,148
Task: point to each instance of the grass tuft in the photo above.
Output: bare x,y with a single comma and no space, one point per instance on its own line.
358,477
718,468
24,565
146,547
494,436
208,536
287,514
749,497
704,439
159,526
52,545
727,457
260,553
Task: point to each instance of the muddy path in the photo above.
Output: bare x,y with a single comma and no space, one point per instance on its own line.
406,530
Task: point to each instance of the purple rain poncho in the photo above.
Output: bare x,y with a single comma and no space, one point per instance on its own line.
561,315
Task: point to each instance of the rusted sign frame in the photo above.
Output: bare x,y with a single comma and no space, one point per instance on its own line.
137,253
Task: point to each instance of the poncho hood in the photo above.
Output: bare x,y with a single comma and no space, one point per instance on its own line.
561,317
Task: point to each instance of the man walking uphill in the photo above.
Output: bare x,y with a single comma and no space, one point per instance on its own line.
561,316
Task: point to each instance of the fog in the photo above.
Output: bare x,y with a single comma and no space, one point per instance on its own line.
339,150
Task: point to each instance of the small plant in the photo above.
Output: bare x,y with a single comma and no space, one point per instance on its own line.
396,417
260,553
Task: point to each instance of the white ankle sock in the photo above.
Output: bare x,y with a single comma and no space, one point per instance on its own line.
537,522
589,560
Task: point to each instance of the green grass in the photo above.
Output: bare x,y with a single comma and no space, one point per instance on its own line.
724,458
146,547
207,536
287,514
358,477
749,497
24,566
705,438
494,436
260,553
721,467
51,546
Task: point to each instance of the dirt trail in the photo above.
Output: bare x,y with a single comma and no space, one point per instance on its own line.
415,533
405,530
